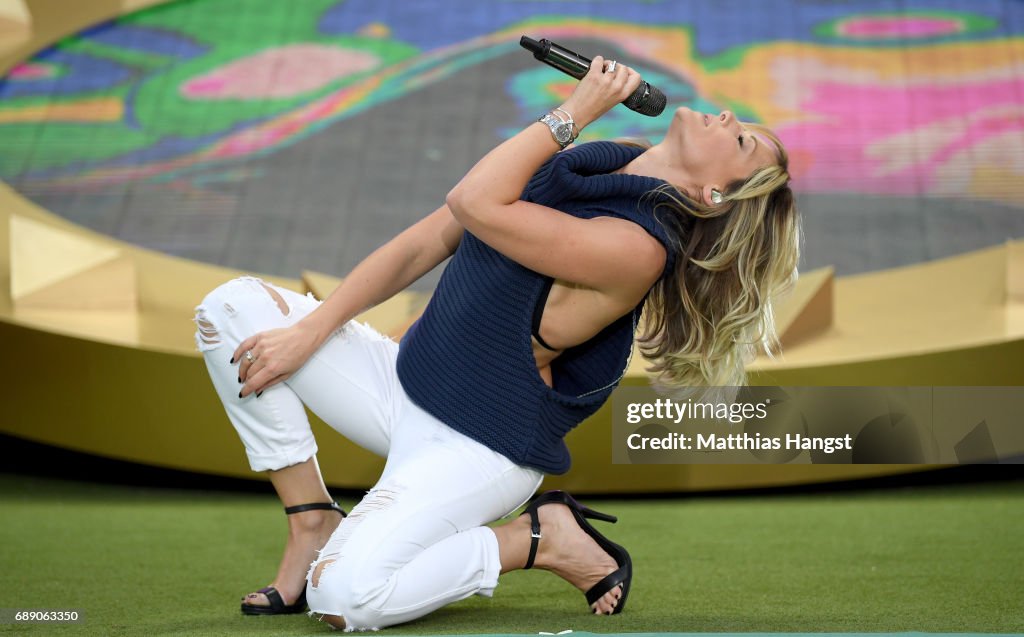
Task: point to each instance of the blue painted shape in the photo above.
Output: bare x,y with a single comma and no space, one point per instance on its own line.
147,40
82,73
717,25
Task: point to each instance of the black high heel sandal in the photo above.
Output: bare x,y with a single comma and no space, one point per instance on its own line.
277,605
621,576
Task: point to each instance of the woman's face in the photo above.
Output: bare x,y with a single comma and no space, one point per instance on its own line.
711,151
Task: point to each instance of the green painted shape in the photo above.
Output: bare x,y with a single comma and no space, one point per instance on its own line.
221,18
128,57
164,111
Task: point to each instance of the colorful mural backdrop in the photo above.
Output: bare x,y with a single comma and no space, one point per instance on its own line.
907,98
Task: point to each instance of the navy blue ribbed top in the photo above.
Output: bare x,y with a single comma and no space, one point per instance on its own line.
469,360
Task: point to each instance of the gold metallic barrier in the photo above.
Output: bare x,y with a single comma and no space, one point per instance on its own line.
99,353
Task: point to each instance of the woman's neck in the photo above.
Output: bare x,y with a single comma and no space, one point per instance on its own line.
654,162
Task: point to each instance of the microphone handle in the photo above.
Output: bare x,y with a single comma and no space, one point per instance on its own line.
645,100
561,58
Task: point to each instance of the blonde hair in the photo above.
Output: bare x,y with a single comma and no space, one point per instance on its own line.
706,319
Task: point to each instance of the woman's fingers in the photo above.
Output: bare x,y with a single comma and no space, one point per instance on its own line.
631,81
607,83
624,83
258,345
263,360
242,356
275,355
242,348
246,370
260,381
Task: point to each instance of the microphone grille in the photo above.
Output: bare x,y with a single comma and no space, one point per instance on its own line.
646,100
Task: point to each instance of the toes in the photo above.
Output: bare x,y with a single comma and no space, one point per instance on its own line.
256,599
606,605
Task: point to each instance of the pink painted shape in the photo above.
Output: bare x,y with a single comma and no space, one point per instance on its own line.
282,72
208,85
851,119
31,71
895,27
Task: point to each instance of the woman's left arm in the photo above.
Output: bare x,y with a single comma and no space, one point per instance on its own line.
604,252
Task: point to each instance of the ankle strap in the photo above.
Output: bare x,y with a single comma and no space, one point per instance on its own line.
313,506
534,536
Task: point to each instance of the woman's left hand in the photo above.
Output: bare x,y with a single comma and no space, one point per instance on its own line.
606,84
275,356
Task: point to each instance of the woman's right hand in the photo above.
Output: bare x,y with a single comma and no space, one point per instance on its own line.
600,90
277,354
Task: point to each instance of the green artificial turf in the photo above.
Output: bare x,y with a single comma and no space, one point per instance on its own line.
147,561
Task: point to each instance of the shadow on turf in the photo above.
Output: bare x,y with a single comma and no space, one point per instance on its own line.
24,457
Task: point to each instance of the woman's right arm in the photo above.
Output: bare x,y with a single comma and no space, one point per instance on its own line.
278,353
388,270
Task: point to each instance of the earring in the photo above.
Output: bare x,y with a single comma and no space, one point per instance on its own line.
716,197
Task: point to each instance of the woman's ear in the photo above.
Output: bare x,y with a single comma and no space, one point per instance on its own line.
712,195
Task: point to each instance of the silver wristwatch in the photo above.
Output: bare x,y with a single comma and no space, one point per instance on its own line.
561,129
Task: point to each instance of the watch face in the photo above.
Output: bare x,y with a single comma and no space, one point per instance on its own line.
563,133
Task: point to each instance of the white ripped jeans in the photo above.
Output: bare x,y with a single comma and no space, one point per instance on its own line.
416,541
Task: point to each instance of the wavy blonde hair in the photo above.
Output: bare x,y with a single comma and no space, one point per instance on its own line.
705,320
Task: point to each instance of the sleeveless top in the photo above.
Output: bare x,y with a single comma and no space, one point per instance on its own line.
468,360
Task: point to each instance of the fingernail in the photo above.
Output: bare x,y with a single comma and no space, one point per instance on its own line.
232,360
239,394
239,380
259,393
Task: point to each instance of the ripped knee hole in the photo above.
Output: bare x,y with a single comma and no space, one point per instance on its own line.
277,298
207,331
319,571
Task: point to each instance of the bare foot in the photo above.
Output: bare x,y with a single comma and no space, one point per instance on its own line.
566,550
308,532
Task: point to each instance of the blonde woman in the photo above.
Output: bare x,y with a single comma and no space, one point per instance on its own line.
554,256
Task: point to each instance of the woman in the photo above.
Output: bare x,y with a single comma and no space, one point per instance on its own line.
471,409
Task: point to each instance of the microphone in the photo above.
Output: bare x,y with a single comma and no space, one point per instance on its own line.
645,100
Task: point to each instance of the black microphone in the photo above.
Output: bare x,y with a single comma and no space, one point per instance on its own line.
645,100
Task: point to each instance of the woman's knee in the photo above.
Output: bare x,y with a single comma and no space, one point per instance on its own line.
242,296
328,590
338,588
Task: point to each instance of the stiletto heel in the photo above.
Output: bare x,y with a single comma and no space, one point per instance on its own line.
277,605
597,515
585,511
622,576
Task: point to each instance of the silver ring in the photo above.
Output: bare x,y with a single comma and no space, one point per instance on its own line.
249,357
611,66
